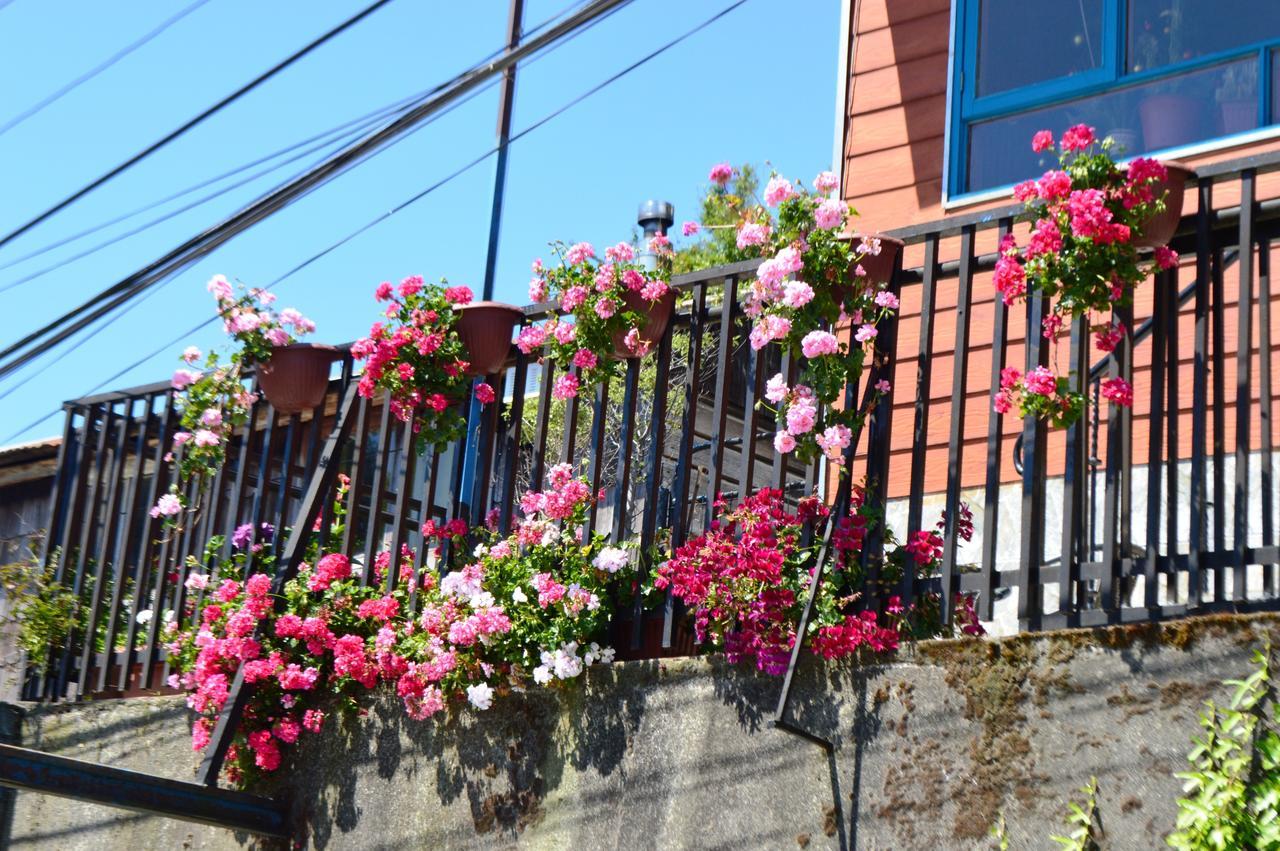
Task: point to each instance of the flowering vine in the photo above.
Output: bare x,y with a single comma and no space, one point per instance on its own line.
1082,252
609,301
810,283
417,358
516,612
210,394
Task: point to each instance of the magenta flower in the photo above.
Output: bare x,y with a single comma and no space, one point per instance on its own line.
1042,141
721,173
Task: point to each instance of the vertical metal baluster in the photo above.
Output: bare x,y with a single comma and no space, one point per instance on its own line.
622,487
750,420
482,488
123,543
595,463
75,505
1111,552
1125,520
1173,370
724,374
955,455
995,428
261,495
569,442
684,461
1034,437
235,510
143,499
514,439
652,473
879,443
1244,395
924,380
543,426
169,422
1073,483
292,444
105,540
377,493
358,462
1217,321
1163,282
408,463
1199,403
87,538
1264,411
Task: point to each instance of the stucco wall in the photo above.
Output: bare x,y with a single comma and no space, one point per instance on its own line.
680,755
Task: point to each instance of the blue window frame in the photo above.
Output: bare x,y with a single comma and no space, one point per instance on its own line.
1156,75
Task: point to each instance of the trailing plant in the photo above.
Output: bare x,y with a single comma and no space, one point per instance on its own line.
810,283
516,612
606,300
210,391
418,359
1082,254
1084,821
1232,793
746,578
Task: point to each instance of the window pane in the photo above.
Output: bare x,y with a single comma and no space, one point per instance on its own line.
1162,32
1201,105
1021,43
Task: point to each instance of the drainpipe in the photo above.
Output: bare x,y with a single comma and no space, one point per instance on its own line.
655,217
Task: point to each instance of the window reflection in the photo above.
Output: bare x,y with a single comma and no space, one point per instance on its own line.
1162,32
1193,107
1067,40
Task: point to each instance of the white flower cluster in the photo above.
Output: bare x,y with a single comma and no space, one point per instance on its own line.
565,663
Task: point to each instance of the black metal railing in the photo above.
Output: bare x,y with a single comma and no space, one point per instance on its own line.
683,425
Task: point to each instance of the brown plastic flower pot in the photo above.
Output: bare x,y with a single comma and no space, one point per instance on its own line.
879,267
620,635
295,378
485,328
657,314
1158,229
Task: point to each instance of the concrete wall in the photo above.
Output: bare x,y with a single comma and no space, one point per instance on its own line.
928,750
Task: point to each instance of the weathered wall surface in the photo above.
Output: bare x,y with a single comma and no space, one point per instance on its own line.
679,755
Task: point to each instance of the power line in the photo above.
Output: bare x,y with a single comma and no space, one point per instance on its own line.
380,113
226,101
413,199
198,246
97,69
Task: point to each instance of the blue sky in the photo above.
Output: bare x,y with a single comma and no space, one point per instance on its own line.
757,85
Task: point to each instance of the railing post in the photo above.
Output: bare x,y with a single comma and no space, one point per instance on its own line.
1030,599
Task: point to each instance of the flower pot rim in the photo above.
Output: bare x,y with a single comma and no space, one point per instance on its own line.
319,347
496,305
1178,165
883,237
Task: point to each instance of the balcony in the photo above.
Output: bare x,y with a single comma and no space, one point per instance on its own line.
1161,510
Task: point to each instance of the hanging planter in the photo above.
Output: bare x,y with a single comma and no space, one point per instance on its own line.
656,316
1158,229
879,267
485,328
295,377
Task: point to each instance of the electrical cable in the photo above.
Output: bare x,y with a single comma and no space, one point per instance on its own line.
422,194
381,113
418,196
198,246
97,69
164,140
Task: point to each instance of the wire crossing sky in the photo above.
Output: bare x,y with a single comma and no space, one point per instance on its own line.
652,134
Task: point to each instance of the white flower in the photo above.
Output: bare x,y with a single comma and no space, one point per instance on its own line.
550,536
519,596
480,551
565,661
196,581
542,675
611,559
596,653
593,603
483,600
144,616
480,695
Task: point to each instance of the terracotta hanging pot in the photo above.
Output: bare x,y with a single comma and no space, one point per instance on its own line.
657,314
1158,229
879,267
295,378
485,328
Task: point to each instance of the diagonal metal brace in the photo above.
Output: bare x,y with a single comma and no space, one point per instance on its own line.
318,488
35,771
